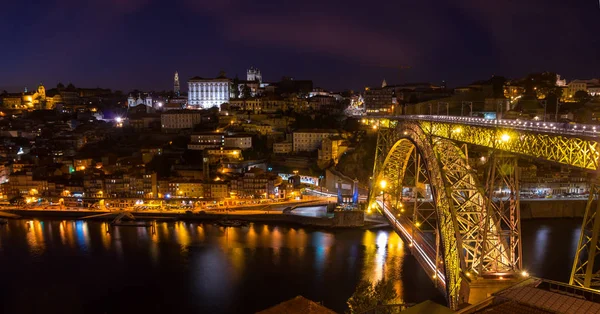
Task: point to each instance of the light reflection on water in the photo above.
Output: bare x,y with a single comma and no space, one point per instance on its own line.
212,268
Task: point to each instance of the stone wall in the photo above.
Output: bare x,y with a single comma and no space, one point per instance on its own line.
552,209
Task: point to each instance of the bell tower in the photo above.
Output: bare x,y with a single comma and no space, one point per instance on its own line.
176,88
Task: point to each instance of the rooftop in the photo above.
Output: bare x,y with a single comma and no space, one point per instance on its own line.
197,78
299,305
316,131
539,296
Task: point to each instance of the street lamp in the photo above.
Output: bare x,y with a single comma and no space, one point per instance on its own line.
382,184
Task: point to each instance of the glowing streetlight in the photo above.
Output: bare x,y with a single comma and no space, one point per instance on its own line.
383,184
505,137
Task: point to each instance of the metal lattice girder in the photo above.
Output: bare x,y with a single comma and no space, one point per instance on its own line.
502,187
459,200
585,270
574,151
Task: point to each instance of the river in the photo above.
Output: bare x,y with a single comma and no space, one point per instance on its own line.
53,266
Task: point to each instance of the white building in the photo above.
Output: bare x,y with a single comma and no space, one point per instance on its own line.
583,85
593,90
179,119
560,82
208,93
575,86
310,140
145,99
253,74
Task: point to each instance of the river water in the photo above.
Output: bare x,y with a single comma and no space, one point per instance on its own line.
53,266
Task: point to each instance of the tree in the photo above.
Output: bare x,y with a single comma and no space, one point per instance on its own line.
236,87
246,92
498,83
541,84
368,296
362,298
581,96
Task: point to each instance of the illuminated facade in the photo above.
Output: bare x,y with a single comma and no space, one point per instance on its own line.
379,100
145,99
253,74
208,93
310,140
592,87
201,141
231,154
28,100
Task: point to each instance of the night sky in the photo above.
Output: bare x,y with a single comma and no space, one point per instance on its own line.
127,44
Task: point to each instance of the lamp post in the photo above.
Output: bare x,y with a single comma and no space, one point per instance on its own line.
321,182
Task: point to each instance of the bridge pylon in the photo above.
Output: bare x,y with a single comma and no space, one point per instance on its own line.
503,216
586,266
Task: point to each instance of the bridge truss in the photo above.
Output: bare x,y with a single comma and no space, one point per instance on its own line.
457,233
501,240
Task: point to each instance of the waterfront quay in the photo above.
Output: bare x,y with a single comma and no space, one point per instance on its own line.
316,212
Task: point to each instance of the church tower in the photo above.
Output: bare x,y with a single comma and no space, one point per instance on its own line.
176,84
253,74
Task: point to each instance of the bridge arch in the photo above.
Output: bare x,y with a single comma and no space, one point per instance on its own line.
465,247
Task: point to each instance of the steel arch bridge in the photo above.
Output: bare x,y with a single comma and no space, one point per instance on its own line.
458,236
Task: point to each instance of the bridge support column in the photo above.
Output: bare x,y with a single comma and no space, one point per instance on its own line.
585,272
503,217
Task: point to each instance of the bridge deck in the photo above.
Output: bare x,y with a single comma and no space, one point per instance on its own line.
420,246
561,128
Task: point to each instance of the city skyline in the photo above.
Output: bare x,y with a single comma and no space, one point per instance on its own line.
134,44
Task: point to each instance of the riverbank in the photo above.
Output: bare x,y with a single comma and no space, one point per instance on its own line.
535,209
530,209
338,219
